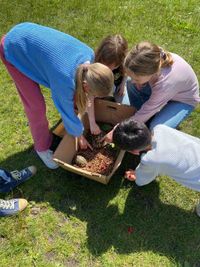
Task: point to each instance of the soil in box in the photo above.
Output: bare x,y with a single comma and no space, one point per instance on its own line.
99,160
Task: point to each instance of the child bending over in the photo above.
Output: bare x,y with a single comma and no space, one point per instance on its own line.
111,52
162,86
174,88
36,55
165,151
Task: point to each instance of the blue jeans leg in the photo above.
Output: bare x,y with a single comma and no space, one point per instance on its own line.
122,99
138,97
132,96
172,114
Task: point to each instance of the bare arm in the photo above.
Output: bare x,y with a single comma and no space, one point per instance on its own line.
122,86
83,143
94,128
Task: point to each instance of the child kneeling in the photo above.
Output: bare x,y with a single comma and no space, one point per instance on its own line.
165,151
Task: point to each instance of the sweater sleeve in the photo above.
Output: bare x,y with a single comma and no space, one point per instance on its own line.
145,173
64,101
160,96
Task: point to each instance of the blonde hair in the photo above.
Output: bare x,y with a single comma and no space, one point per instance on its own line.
99,79
112,50
146,58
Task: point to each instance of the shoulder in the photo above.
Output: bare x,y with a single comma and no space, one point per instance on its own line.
162,139
161,128
179,66
177,58
166,138
165,134
26,25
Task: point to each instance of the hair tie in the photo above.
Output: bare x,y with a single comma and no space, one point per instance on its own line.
85,68
163,54
84,71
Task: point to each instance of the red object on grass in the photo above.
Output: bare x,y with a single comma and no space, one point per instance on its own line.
130,229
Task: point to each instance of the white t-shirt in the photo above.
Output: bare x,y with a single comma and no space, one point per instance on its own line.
174,154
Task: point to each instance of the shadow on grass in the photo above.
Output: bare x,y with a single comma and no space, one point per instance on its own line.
145,224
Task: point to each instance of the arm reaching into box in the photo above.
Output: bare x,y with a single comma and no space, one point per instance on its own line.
94,128
83,143
109,136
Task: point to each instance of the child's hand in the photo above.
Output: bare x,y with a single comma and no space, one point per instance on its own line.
94,129
130,175
108,137
83,143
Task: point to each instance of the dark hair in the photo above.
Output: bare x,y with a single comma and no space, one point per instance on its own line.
112,49
131,134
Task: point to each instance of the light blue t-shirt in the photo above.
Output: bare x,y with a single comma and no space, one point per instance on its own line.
50,58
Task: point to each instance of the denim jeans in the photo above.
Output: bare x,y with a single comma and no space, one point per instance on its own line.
172,114
134,97
5,177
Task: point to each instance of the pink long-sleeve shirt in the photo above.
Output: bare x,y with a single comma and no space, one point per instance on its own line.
177,83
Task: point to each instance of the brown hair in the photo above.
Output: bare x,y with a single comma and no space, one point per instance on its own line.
99,79
112,50
146,58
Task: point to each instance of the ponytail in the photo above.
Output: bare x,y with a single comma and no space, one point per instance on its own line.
166,57
99,79
146,59
80,95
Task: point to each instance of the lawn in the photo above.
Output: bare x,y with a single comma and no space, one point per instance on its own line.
73,221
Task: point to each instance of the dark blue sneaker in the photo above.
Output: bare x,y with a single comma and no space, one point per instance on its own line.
12,206
18,177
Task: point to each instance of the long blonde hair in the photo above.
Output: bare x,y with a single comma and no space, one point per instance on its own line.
146,58
99,79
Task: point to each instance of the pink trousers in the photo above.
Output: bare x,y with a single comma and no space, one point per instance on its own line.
33,102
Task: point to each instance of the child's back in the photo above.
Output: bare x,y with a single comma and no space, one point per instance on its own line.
173,153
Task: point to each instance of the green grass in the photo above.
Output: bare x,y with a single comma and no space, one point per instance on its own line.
72,221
